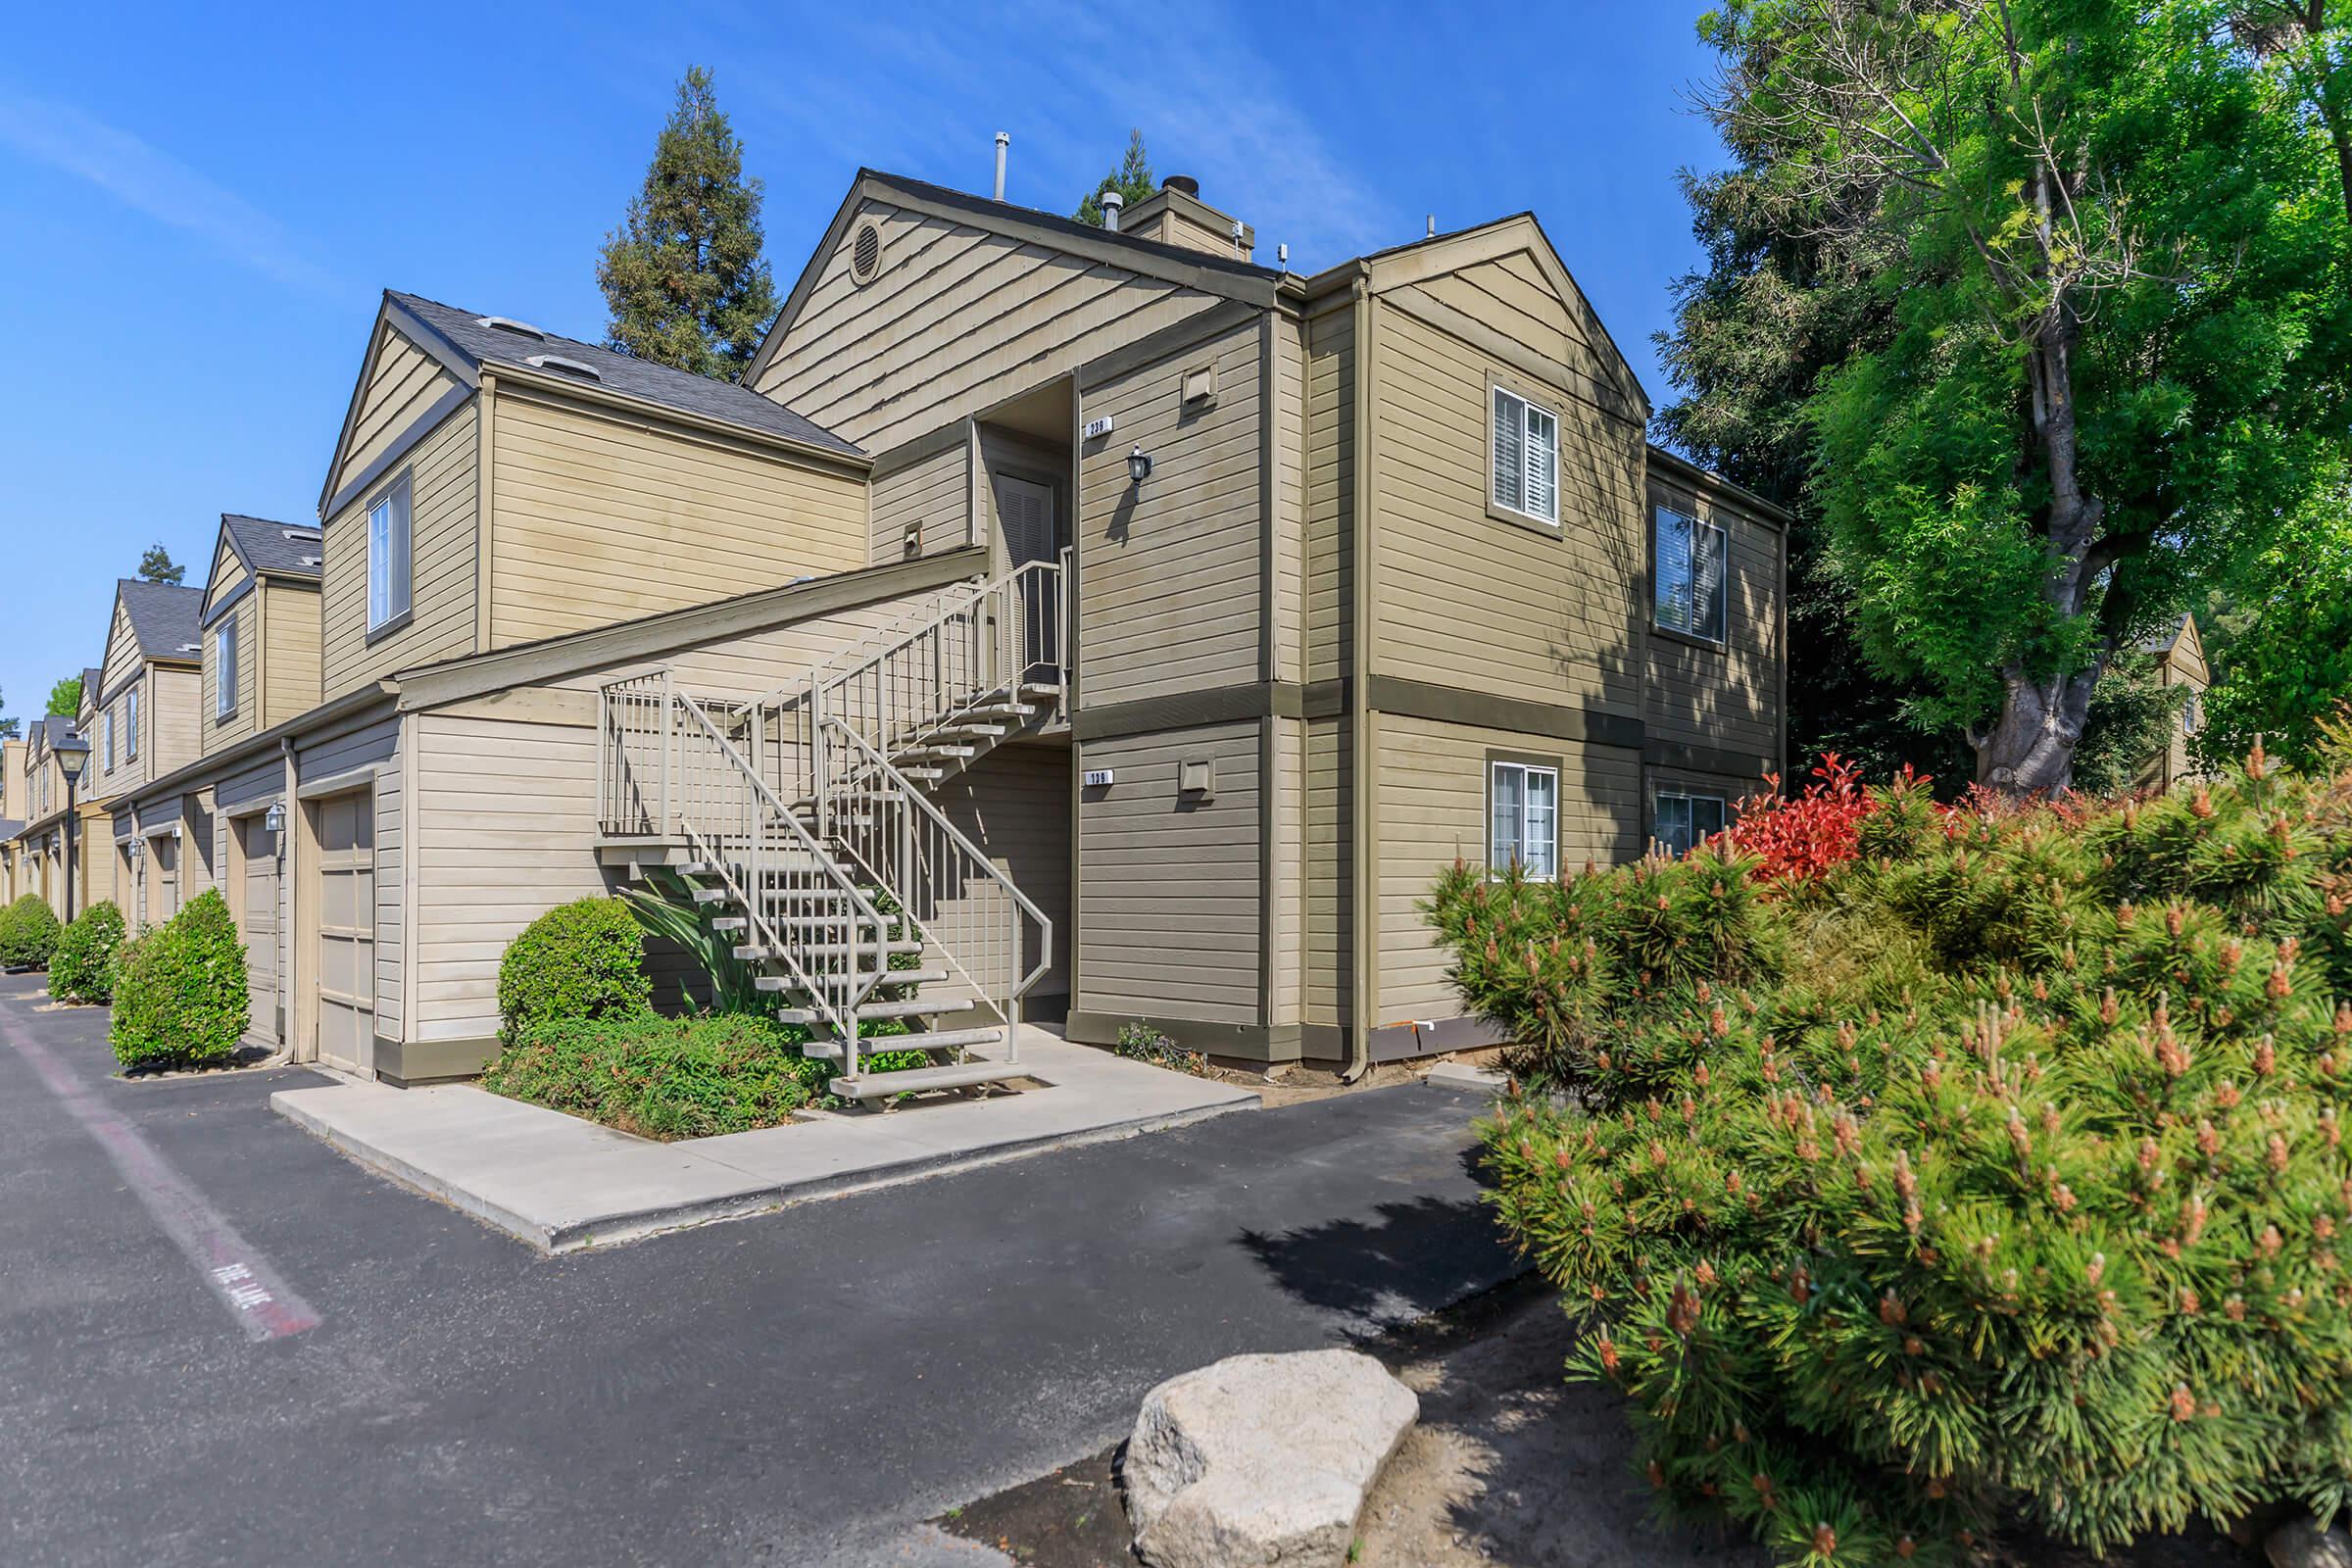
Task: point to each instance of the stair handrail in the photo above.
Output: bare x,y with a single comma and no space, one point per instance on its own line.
880,640
867,766
836,993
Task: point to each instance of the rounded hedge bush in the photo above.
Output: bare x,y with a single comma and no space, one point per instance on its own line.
83,968
28,933
580,961
180,990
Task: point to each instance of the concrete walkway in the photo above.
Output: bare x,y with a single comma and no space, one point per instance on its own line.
561,1183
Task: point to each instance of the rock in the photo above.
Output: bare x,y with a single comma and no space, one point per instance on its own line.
1261,1459
2302,1544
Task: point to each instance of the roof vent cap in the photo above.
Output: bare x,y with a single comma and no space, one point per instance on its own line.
558,362
507,323
1183,184
1110,202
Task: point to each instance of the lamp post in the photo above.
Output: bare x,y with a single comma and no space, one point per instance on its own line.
73,755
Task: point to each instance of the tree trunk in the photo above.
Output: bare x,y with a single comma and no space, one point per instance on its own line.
2031,750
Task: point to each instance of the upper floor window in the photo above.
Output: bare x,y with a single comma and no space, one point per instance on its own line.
388,554
130,725
1686,822
224,665
106,744
2191,716
1694,560
1523,817
1527,458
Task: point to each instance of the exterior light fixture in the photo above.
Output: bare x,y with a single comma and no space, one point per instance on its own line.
72,755
275,819
1139,466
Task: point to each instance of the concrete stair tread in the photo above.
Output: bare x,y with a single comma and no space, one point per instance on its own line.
914,1080
896,977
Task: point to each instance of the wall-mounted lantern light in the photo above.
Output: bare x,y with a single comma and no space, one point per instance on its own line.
1139,466
275,819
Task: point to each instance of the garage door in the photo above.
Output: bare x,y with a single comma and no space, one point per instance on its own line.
256,922
347,929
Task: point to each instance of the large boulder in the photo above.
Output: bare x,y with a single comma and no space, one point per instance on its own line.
1261,1458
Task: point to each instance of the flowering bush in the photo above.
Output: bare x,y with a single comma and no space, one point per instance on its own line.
2000,1177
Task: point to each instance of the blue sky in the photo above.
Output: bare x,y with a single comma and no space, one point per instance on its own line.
202,204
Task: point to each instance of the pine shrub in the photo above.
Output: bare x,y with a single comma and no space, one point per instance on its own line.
83,968
181,997
1991,1175
29,933
580,961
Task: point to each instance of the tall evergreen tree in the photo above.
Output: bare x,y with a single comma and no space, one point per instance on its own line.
1131,180
156,565
683,275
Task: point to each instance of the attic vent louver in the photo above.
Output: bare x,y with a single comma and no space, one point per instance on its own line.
507,323
557,361
866,253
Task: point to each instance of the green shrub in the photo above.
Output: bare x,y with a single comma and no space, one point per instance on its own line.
1140,1042
180,990
28,933
1996,1177
662,1077
580,961
83,968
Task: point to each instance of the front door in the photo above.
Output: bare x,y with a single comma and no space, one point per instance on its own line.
347,929
256,922
163,886
1025,517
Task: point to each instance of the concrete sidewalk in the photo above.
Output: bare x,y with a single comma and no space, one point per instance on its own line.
561,1183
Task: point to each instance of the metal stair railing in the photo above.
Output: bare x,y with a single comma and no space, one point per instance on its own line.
666,769
957,898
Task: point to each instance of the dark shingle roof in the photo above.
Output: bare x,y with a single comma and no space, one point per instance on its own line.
284,548
465,331
48,731
988,206
162,616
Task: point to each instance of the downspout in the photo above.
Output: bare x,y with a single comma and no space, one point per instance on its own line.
1364,908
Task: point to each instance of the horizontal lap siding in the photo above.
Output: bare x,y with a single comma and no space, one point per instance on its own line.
1168,905
120,672
506,830
219,732
442,495
1328,493
1433,809
1468,601
290,637
176,729
956,318
599,520
1015,806
1330,903
931,499
1726,697
1287,736
1287,399
1170,572
261,921
402,383
377,746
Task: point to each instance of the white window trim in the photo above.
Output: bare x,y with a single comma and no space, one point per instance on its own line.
1496,765
1723,580
130,725
1657,812
106,744
1497,505
400,585
224,676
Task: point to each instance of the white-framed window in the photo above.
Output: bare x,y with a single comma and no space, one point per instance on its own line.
1694,577
1685,820
106,744
388,555
130,725
2191,715
224,667
1523,817
1527,458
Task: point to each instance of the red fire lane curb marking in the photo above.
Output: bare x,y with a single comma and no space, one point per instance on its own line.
243,1280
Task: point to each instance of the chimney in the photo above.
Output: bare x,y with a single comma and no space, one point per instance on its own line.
1111,201
1183,182
1003,140
1175,214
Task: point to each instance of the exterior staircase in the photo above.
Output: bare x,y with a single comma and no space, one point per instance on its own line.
802,825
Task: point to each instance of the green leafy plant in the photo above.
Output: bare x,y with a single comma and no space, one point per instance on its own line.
668,911
1996,1177
579,960
181,997
1140,1042
83,968
28,933
662,1077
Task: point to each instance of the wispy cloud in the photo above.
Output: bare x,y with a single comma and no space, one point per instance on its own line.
152,182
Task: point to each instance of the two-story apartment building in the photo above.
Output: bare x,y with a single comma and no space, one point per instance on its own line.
139,718
63,830
13,805
1088,625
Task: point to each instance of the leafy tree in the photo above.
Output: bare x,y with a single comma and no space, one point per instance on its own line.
2128,727
156,565
10,728
2308,46
2115,293
2281,651
1131,180
684,275
64,698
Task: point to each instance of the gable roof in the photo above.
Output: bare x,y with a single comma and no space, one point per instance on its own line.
163,617
1228,275
282,548
477,342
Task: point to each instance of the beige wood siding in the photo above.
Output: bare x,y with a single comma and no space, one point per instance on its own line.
1170,884
930,498
954,313
506,831
1329,493
1287,401
1170,572
1465,599
173,718
1328,936
600,517
1015,806
1433,809
441,623
1287,738
375,745
122,658
229,571
290,641
1724,698
402,383
219,732
241,803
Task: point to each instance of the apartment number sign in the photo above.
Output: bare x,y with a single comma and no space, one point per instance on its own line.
1102,426
1096,777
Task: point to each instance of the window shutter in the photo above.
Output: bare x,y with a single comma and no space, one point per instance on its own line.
1509,460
